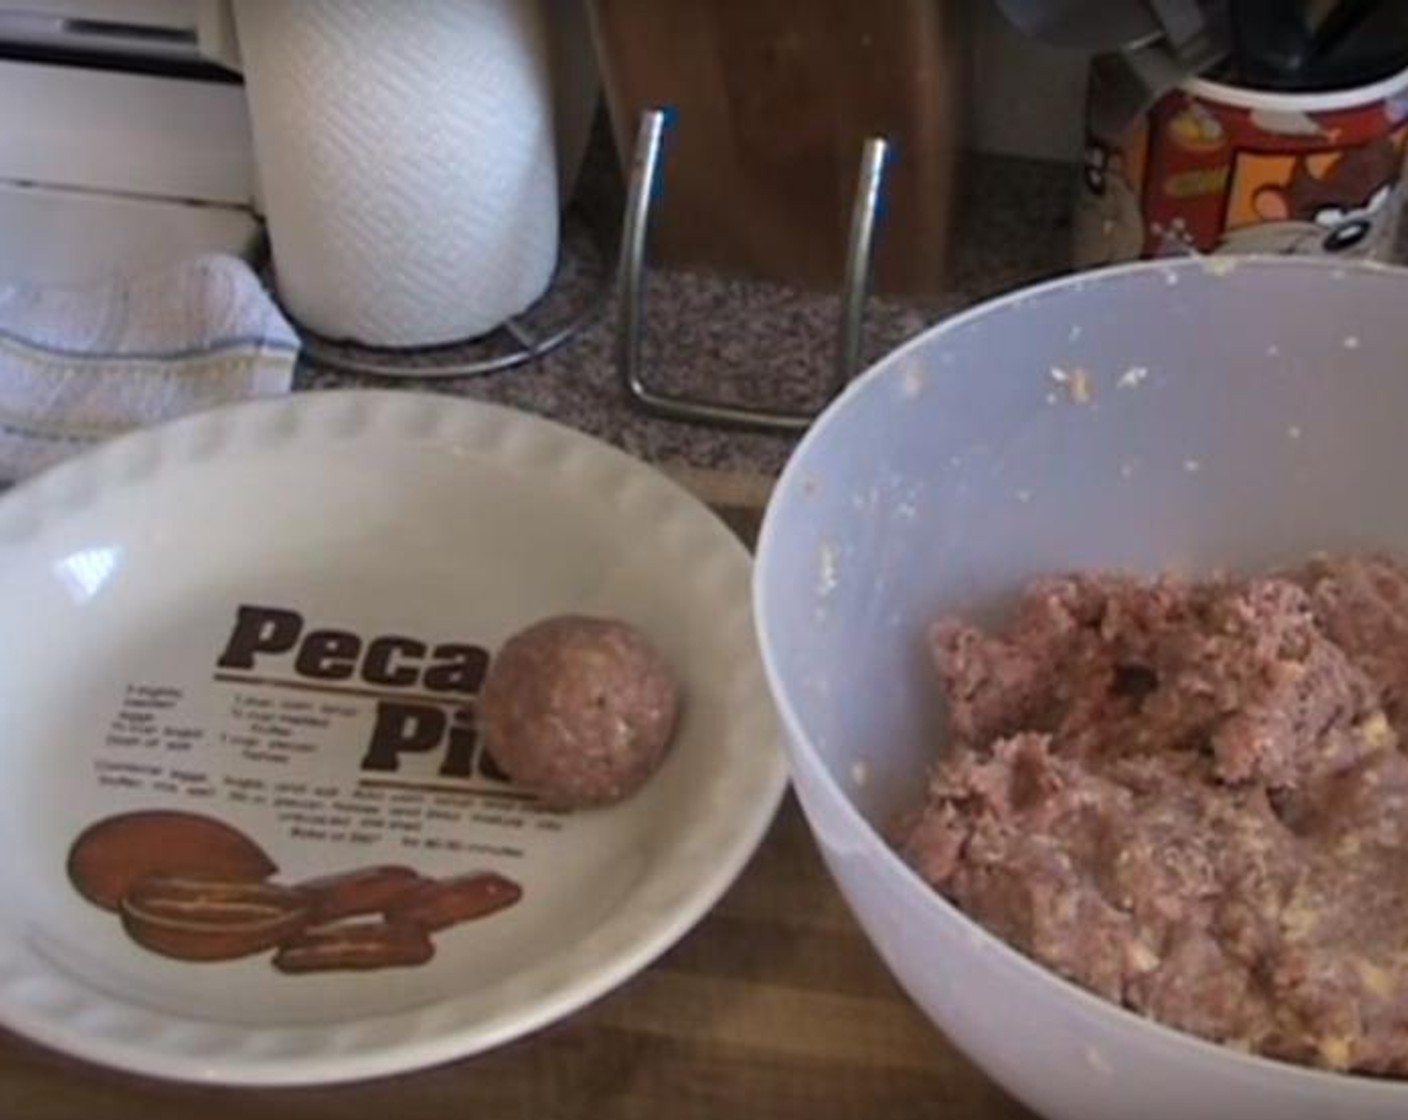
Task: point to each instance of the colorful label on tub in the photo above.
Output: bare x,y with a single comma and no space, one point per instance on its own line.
1197,175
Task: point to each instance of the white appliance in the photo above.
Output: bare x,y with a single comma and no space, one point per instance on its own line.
122,138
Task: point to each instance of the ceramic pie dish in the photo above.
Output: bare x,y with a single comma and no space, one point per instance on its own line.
246,646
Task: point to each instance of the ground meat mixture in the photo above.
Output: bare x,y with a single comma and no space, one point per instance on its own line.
1191,799
580,710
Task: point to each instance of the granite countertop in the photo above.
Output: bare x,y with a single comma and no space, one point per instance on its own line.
741,340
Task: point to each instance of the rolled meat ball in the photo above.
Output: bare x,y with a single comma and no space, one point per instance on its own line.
580,710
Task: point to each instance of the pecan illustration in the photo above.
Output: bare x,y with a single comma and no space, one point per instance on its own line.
440,903
354,946
194,919
367,890
110,857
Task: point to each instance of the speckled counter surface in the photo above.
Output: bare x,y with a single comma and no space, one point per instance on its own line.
736,340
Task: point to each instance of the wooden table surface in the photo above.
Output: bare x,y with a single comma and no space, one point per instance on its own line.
774,1006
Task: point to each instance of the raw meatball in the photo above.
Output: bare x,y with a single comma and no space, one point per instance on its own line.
578,709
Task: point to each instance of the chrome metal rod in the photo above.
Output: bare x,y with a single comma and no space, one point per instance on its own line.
645,166
858,256
641,193
645,171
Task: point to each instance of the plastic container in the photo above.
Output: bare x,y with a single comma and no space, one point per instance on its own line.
1231,414
1214,168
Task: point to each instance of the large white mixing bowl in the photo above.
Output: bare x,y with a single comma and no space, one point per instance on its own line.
1189,415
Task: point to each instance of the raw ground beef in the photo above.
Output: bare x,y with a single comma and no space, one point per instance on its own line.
580,710
1190,798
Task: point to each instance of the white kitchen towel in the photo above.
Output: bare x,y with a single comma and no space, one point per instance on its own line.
79,365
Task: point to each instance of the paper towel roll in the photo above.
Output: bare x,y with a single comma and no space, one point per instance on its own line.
406,161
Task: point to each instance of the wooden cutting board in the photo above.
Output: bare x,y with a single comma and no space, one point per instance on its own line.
771,102
774,1006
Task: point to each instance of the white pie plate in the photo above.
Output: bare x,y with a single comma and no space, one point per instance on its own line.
376,514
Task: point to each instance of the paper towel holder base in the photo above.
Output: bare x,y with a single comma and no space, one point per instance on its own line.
526,342
643,190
